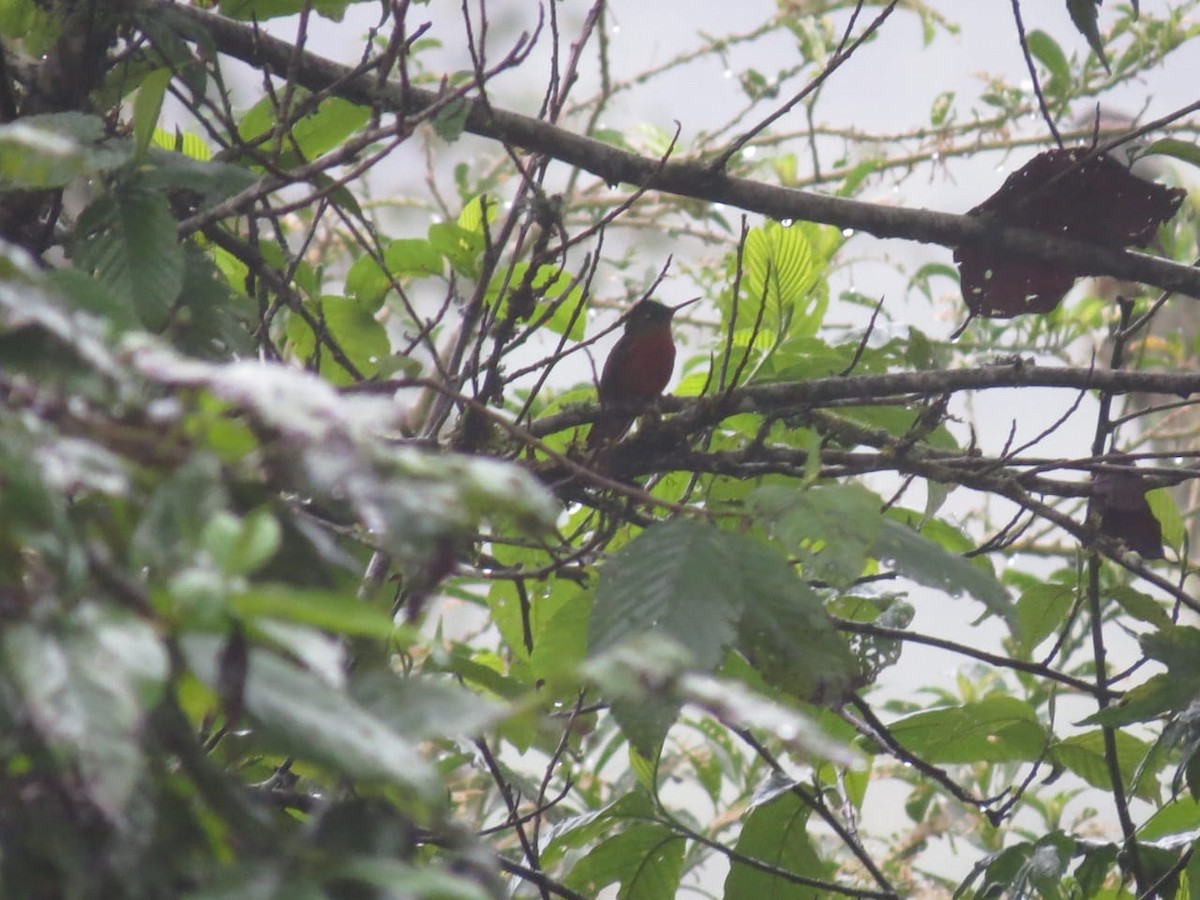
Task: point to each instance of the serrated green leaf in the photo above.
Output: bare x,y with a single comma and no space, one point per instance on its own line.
398,879
738,707
83,292
776,833
212,180
784,631
1181,816
311,135
677,579
127,237
187,143
1158,694
997,729
1176,647
640,677
369,283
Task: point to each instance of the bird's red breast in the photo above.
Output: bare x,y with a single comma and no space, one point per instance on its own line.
639,367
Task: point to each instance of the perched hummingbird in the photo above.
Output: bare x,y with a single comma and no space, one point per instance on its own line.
637,369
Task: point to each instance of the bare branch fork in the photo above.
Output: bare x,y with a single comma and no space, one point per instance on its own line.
695,179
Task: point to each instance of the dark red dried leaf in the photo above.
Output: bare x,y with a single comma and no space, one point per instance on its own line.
1098,201
1124,513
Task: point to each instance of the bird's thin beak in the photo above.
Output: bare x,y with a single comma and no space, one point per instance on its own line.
675,309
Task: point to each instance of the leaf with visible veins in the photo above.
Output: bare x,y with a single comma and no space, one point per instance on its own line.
1065,194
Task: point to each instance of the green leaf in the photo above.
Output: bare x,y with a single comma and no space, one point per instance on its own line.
213,180
427,707
186,143
1177,647
776,833
451,119
211,320
1084,754
640,676
997,729
784,631
461,246
48,151
1158,694
176,513
147,106
251,10
87,690
1141,606
1047,51
241,546
833,528
312,134
1181,816
1040,612
738,707
577,831
678,579
918,558
85,293
329,127
780,272
127,237
411,499
338,612
305,716
397,879
1166,510
1084,15
353,327
1176,149
369,283
646,860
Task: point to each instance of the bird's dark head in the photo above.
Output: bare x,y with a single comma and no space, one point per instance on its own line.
650,312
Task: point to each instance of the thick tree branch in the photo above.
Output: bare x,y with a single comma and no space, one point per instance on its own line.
695,179
785,397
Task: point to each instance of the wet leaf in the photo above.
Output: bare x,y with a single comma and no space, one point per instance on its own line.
1119,499
1064,194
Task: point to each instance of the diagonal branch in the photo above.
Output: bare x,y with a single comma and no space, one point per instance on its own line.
692,179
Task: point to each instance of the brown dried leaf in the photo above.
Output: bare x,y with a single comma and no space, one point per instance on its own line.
1098,201
1120,500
